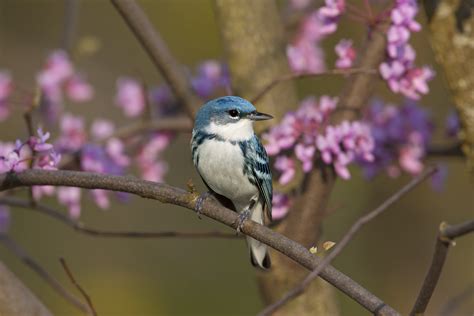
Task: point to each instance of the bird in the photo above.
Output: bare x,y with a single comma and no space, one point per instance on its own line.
233,163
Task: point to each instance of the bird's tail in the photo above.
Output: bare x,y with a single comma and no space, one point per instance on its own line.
259,256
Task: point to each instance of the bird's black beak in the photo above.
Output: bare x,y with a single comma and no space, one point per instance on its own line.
257,116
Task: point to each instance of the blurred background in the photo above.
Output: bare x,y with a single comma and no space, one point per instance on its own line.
212,276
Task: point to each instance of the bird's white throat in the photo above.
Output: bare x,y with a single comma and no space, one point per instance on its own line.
239,131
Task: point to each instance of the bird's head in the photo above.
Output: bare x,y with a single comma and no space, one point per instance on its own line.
229,117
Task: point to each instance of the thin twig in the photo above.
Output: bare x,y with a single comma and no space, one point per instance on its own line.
451,306
294,76
76,284
159,53
210,208
453,150
71,12
81,228
446,235
348,236
19,252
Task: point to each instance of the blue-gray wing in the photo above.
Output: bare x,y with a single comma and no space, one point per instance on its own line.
260,170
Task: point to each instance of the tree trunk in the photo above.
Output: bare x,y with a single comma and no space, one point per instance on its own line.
254,41
452,38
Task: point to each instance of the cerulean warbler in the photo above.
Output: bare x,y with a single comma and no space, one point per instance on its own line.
233,163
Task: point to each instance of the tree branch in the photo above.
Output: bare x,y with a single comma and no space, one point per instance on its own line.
16,299
348,236
293,76
19,252
446,235
168,194
159,53
76,284
81,228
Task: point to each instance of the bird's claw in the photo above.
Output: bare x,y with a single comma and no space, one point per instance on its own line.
243,216
200,201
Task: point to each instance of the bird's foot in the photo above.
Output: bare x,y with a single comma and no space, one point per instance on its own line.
199,202
243,216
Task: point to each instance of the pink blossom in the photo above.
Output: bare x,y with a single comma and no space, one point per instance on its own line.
73,135
115,149
102,129
399,69
78,89
41,190
286,166
130,96
346,54
39,143
58,68
306,155
71,197
6,88
411,154
148,159
280,205
305,57
101,198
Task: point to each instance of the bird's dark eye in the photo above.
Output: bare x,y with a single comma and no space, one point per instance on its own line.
233,113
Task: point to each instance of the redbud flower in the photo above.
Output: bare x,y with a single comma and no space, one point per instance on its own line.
151,167
6,88
286,166
78,89
71,197
346,54
280,205
73,135
102,129
399,69
130,96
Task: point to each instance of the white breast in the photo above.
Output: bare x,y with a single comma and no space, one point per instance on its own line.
221,166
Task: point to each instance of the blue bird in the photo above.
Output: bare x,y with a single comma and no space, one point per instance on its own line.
233,163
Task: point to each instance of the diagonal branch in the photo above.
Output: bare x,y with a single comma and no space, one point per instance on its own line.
81,228
293,76
159,53
348,236
168,194
19,252
446,235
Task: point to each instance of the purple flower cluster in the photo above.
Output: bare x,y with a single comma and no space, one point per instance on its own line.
34,152
304,135
58,77
304,54
132,96
399,69
6,88
401,135
211,76
346,54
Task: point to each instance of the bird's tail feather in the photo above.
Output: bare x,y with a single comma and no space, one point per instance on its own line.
259,256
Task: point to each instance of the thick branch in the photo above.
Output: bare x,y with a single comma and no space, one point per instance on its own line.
211,209
81,228
159,53
447,234
298,290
